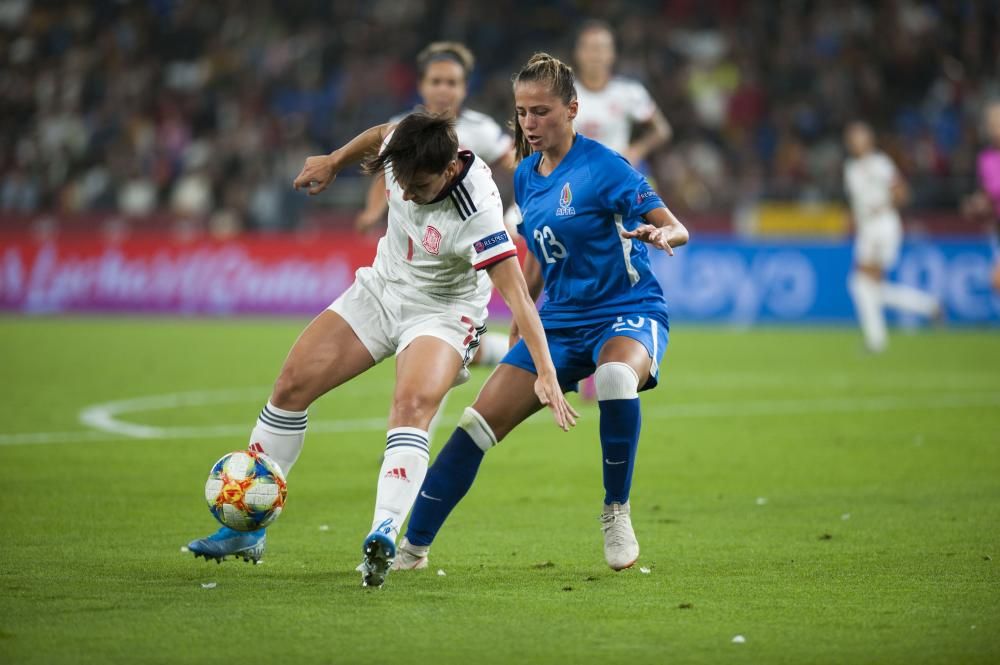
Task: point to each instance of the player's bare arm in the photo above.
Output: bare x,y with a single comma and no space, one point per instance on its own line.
321,170
652,134
662,230
508,279
533,278
375,204
900,190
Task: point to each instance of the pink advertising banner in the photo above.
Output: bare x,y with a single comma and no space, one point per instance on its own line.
152,272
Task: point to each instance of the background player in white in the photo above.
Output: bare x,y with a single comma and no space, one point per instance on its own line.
422,299
444,69
875,189
613,108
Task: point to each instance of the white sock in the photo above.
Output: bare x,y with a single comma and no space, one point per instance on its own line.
909,299
868,304
403,469
279,434
492,348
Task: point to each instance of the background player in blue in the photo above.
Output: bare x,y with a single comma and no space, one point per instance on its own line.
583,207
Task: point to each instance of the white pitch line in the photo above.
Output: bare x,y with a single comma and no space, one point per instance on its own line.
103,416
745,408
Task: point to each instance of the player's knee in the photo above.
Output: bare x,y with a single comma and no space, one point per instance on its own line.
616,380
289,390
860,282
869,270
478,429
415,409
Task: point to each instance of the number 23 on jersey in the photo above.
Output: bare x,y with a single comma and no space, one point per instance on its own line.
549,246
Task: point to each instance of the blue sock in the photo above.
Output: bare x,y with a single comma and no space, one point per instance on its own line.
447,481
620,424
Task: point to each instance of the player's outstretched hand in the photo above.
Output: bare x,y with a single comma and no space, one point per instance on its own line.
658,237
551,395
316,175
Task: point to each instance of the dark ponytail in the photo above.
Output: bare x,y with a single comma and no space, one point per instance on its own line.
554,73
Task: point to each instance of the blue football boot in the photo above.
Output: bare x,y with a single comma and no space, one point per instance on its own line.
379,550
248,545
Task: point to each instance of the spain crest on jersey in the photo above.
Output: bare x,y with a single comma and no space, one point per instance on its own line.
432,240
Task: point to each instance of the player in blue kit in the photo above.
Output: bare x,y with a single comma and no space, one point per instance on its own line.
586,214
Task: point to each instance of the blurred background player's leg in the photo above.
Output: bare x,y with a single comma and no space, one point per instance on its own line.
908,299
865,283
899,296
871,244
877,249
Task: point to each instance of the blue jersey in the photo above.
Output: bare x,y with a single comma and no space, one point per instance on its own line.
572,221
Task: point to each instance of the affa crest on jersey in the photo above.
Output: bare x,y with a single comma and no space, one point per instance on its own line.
432,240
566,196
565,202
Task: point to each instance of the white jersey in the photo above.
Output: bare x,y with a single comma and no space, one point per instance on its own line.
608,115
478,133
868,181
434,253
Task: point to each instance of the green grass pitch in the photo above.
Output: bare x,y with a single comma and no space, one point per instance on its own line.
828,506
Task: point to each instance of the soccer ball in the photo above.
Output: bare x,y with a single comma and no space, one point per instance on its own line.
246,490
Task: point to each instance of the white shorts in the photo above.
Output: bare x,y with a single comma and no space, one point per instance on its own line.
386,322
878,243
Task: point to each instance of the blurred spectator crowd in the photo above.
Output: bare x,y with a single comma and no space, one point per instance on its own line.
207,109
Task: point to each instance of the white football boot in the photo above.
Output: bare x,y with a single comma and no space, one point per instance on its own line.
410,557
621,549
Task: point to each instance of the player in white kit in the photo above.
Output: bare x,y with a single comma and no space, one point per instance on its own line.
875,189
444,69
423,300
613,107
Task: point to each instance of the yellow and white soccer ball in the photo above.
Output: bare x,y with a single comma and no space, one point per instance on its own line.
246,490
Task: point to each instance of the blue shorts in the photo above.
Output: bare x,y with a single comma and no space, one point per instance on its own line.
574,350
